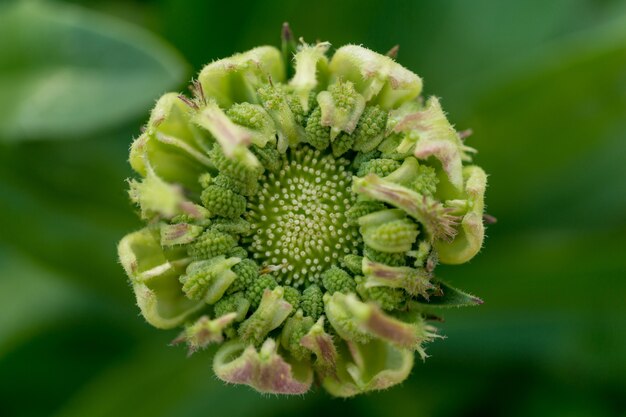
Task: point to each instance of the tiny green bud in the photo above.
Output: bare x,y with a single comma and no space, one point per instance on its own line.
204,331
208,280
341,108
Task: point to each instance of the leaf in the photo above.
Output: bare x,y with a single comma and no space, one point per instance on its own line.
66,72
447,296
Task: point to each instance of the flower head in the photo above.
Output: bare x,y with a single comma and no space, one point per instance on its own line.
297,222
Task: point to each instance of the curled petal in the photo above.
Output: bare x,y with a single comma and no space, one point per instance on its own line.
156,197
437,220
270,314
373,366
435,137
154,274
175,148
470,238
233,138
264,370
377,77
236,79
311,65
321,344
415,281
357,321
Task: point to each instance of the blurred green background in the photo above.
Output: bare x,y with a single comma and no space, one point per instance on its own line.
541,83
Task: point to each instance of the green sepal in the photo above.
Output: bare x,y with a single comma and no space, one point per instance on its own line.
322,346
154,274
446,296
156,197
433,135
266,371
275,101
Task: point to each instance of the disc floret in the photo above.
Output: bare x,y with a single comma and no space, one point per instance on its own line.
298,217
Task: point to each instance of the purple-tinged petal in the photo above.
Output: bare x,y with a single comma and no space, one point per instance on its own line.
436,218
264,370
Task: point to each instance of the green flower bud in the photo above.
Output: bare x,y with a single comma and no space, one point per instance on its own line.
388,231
297,205
341,107
208,280
204,331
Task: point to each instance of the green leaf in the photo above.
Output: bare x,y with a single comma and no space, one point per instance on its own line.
448,297
66,72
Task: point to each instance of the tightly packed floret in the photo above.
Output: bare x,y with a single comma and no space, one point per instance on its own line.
296,206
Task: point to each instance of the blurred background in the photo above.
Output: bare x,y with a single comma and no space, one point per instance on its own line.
541,83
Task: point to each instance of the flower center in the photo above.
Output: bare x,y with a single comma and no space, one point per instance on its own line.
298,220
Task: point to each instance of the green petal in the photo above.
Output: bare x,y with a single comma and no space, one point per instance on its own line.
433,135
175,148
469,240
373,366
377,77
154,276
436,218
311,66
236,79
